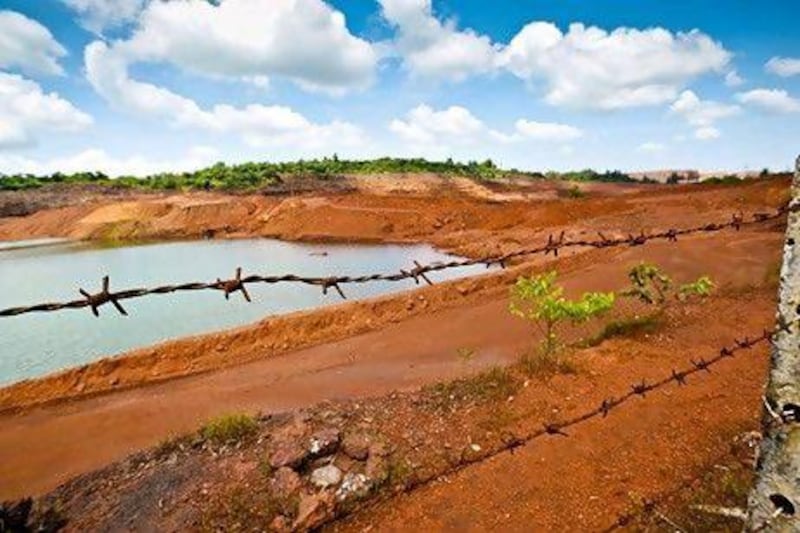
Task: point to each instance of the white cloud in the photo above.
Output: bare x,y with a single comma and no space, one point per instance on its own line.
732,79
259,125
772,100
588,67
305,41
652,147
706,133
97,160
702,113
546,131
434,49
783,66
98,15
26,111
699,112
27,45
423,124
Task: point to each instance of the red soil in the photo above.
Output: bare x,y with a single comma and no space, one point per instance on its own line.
400,342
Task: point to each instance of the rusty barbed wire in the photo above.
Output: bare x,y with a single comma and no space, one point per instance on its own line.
511,441
419,272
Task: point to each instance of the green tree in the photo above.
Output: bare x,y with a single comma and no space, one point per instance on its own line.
541,301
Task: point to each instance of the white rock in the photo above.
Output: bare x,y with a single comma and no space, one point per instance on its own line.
353,484
326,476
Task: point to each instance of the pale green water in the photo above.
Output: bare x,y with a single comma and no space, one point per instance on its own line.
39,343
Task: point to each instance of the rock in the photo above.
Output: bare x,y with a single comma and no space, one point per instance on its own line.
324,442
378,449
475,447
377,469
287,453
356,485
312,510
345,463
284,482
280,524
356,446
326,476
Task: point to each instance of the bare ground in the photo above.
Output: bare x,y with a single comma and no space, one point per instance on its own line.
368,349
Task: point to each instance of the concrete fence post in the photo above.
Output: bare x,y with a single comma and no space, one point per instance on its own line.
774,502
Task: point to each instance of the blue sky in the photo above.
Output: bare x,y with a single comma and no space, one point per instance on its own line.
134,86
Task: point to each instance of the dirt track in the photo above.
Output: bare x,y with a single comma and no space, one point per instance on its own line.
387,345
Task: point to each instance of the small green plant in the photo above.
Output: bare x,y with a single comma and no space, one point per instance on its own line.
465,354
702,287
648,284
229,429
652,286
575,192
540,301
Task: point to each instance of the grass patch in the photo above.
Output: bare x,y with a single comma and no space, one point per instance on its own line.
496,383
627,327
538,364
229,429
575,192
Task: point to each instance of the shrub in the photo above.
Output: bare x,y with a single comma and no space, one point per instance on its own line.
229,429
540,301
648,284
652,286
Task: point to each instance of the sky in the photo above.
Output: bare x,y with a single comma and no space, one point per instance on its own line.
144,86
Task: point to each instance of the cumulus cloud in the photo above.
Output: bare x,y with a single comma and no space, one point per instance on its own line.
588,67
783,66
702,113
771,100
26,112
431,48
27,45
545,131
732,79
423,124
98,15
259,125
455,124
97,160
305,41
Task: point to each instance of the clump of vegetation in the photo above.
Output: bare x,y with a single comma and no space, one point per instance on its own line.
652,286
496,383
541,302
229,429
648,284
575,192
729,179
465,354
626,328
535,364
256,175
701,287
609,176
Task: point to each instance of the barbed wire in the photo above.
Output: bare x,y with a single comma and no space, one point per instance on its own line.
511,441
418,273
